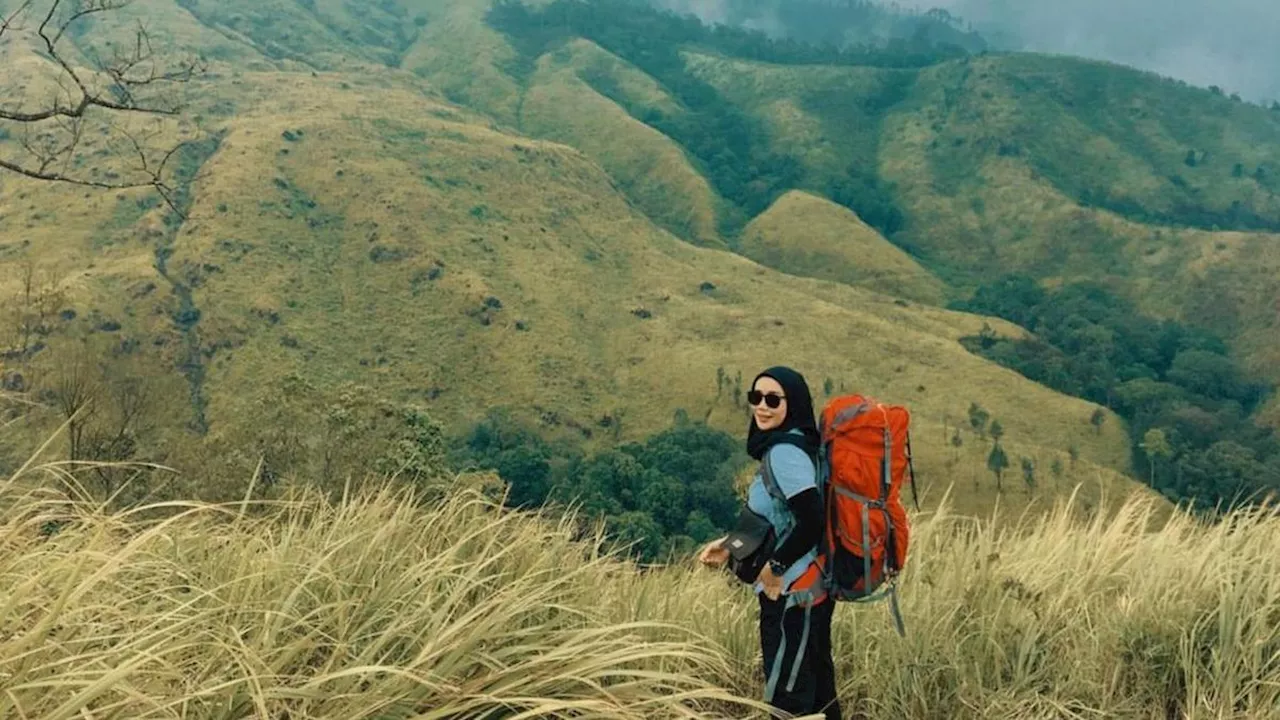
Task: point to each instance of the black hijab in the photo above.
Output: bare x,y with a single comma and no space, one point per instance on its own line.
799,416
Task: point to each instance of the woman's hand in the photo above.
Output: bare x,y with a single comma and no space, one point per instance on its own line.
714,554
772,583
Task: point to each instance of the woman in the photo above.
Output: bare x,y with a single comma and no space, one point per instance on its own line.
795,618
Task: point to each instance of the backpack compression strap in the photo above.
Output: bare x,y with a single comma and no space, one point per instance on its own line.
886,469
912,469
891,555
775,675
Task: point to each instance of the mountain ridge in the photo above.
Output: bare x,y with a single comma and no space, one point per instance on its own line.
395,227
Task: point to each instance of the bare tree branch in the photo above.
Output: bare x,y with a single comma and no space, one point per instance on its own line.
125,82
12,20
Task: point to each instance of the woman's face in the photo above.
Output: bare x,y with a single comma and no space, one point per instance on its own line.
768,418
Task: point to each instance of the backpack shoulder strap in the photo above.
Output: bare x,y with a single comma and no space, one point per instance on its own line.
771,483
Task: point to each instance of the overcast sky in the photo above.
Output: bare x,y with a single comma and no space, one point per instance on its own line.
1231,43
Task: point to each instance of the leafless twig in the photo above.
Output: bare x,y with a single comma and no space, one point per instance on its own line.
124,83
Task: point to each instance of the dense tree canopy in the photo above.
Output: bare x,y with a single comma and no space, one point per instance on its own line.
1188,403
666,494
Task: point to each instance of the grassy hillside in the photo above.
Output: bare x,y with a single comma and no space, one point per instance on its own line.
803,234
979,166
648,167
827,118
992,175
457,53
377,607
408,201
461,268
978,129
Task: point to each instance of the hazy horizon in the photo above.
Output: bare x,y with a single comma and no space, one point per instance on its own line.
1228,43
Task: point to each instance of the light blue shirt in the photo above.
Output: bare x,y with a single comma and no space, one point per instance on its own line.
794,473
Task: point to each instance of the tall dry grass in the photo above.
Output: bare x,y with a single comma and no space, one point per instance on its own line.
371,607
378,606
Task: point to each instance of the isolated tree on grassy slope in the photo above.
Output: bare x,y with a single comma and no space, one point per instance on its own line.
129,82
997,462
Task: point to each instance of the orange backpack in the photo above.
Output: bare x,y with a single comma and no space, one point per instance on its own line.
864,459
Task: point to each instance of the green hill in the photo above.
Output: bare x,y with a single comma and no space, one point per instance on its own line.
803,234
1062,168
994,173
648,166
441,262
554,208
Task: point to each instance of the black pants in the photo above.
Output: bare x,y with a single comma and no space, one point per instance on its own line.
814,690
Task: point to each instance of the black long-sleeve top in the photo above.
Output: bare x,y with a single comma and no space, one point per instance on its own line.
806,506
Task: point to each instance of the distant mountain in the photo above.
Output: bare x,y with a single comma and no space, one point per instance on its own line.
836,23
599,214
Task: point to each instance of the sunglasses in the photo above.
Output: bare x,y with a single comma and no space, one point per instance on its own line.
773,400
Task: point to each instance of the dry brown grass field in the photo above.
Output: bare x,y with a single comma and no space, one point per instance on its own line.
384,604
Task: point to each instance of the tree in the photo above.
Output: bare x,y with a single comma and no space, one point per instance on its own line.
109,411
332,436
30,312
978,418
666,500
417,448
997,430
527,471
636,531
1097,419
117,440
1015,297
127,84
72,387
1206,373
699,527
987,336
1156,445
1056,468
1029,474
997,462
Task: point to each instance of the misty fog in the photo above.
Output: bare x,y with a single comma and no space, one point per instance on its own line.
1234,44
